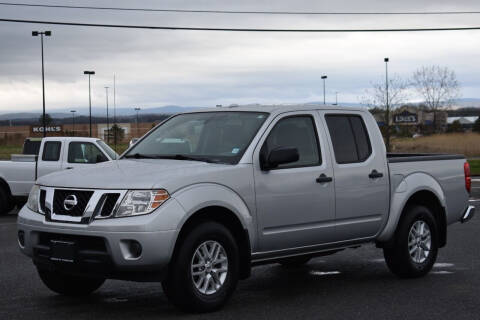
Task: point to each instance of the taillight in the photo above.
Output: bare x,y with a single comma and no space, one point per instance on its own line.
468,179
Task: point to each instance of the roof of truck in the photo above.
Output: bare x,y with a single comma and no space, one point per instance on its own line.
278,108
70,138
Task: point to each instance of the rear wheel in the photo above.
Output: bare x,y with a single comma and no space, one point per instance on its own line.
415,246
205,269
6,201
69,285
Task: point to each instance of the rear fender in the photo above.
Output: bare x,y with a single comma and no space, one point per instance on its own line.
403,191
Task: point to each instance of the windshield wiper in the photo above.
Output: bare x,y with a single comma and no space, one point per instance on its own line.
184,157
140,156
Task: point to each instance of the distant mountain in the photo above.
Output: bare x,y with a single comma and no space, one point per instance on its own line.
96,111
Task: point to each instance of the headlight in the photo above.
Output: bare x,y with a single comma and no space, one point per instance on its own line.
33,198
137,202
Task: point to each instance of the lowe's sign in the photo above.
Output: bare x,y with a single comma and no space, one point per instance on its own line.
405,117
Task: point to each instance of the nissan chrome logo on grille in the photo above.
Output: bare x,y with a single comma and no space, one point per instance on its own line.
70,202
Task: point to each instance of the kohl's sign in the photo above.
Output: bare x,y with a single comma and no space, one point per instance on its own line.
54,129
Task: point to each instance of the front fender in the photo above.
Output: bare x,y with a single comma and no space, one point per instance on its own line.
198,196
402,192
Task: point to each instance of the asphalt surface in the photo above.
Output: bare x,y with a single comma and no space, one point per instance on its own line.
353,284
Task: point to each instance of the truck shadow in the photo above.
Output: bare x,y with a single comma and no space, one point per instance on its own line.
269,287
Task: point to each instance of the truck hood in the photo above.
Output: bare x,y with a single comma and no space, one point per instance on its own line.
132,174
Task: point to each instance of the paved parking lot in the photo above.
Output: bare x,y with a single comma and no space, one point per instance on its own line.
353,284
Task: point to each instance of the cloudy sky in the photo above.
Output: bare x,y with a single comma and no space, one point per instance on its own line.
197,68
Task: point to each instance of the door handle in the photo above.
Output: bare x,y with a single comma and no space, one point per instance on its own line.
68,168
375,174
323,178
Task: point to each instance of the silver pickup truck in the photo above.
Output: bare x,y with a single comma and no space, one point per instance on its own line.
206,195
18,175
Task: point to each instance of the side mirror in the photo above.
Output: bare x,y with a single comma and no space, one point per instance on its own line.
278,156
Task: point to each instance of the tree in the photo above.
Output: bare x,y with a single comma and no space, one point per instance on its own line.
438,86
476,125
376,99
117,132
456,126
48,120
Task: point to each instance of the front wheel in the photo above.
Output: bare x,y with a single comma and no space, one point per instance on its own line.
205,269
69,285
415,246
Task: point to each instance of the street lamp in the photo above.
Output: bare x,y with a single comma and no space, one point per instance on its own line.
323,78
47,34
73,121
387,111
336,98
89,73
108,125
137,109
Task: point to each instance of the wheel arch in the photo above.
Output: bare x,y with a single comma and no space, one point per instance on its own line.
423,190
212,202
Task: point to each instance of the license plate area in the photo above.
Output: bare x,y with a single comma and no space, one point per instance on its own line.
62,251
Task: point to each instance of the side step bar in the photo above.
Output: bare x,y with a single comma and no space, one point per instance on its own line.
469,213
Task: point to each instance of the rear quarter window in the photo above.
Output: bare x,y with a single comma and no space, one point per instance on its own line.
51,151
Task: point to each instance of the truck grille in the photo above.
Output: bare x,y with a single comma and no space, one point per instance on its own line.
77,204
108,202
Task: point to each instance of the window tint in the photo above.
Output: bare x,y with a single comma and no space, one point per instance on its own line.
349,138
298,132
51,151
85,152
361,137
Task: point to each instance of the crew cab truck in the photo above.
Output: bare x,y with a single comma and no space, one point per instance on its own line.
206,195
18,175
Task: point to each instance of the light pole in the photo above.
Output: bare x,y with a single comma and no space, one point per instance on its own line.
336,98
137,109
114,116
89,73
47,34
323,78
73,121
387,111
108,129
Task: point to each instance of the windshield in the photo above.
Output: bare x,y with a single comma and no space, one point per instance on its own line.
112,154
205,136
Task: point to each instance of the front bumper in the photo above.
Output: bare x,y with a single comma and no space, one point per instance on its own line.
102,248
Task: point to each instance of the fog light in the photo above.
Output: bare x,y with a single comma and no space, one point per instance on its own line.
21,239
131,249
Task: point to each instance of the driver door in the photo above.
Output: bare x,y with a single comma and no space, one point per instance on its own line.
81,154
294,208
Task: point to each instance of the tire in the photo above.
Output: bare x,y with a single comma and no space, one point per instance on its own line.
187,269
295,262
6,201
69,285
410,237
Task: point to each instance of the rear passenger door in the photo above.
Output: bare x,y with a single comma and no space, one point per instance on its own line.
361,176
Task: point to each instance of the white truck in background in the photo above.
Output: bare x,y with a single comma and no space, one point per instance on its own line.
18,175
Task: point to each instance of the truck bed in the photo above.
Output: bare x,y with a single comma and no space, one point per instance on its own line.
412,157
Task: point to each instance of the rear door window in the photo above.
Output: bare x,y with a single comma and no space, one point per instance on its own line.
349,138
51,151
